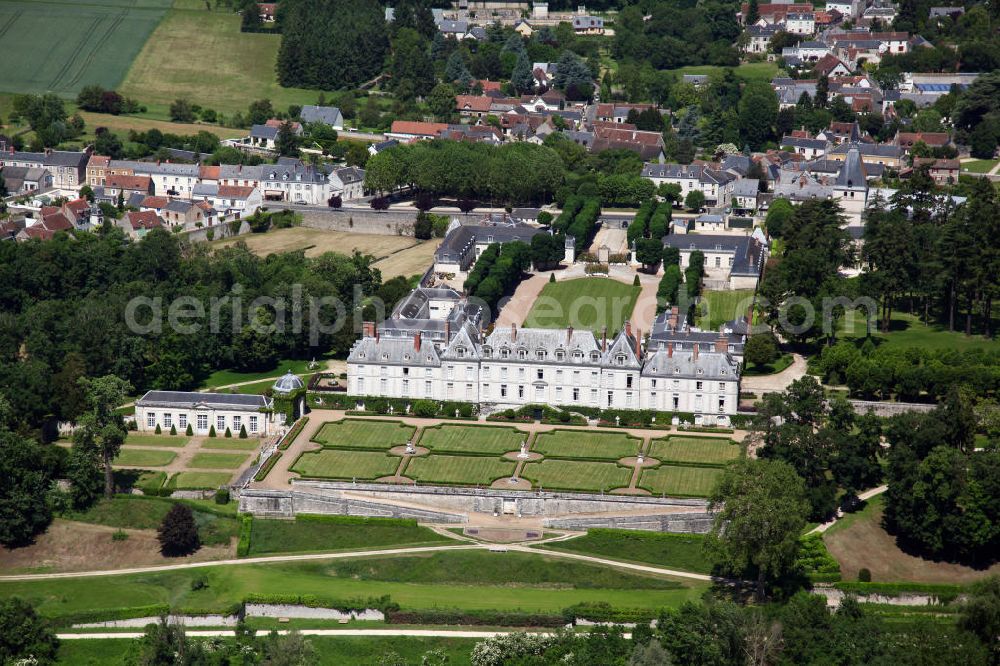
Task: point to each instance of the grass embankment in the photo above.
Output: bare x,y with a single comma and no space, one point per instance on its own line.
146,513
584,303
472,580
675,551
329,533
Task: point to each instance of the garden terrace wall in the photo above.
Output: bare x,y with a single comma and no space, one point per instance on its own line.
452,504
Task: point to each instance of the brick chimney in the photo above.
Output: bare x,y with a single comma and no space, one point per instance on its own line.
722,344
604,339
569,335
670,350
368,329
675,315
694,352
513,332
638,344
447,331
628,327
416,341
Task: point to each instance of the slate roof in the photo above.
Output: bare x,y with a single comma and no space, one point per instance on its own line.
329,115
709,366
458,239
747,251
190,399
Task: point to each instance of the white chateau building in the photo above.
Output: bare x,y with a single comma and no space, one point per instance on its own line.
204,411
512,367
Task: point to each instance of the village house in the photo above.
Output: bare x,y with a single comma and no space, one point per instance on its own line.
731,262
137,223
295,182
25,180
944,172
68,168
588,25
327,115
405,130
715,184
347,183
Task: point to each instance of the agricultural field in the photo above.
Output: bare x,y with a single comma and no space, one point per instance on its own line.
487,440
583,444
337,464
701,450
173,63
315,242
584,303
458,470
144,457
680,481
718,307
364,434
577,475
60,46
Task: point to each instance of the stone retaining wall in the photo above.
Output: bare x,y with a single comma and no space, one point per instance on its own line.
452,505
249,610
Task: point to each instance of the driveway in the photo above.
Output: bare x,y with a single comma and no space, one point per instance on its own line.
777,382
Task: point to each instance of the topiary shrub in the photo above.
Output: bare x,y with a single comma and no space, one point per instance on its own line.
243,432
211,431
178,533
864,575
189,431
424,408
635,281
552,277
158,431
229,433
222,496
173,430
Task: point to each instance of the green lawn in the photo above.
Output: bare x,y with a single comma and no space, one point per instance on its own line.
97,42
906,330
472,439
326,533
172,64
584,444
718,307
979,166
330,650
231,444
680,481
337,464
226,377
144,457
146,513
754,370
199,480
475,580
750,71
577,475
364,434
676,551
217,460
464,470
135,439
705,450
584,303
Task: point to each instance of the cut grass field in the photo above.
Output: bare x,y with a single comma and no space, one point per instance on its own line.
470,580
144,457
680,481
577,475
328,533
979,166
753,370
486,440
60,45
584,303
218,378
217,460
199,480
337,464
583,444
122,124
704,450
409,261
135,439
858,541
749,71
315,242
722,306
462,470
364,434
173,64
146,513
676,551
906,330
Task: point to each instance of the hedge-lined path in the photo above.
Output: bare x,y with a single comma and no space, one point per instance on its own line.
280,475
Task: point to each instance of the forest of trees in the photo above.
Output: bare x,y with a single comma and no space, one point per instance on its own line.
66,300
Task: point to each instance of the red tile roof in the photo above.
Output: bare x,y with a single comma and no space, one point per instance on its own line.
235,191
143,219
931,139
477,103
99,161
138,183
154,202
209,172
57,222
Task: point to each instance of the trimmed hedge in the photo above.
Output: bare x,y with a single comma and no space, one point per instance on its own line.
267,466
899,589
377,405
246,533
487,618
601,611
383,603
